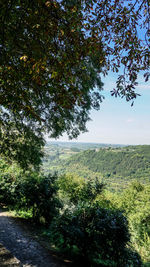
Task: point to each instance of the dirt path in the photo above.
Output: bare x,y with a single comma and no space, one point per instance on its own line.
22,245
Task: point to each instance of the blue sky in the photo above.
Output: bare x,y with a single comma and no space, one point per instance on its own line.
117,122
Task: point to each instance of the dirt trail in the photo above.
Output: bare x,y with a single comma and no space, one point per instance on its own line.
21,244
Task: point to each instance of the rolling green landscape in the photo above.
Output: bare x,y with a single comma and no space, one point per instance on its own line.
115,165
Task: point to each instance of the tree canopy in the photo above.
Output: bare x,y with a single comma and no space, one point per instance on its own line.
52,55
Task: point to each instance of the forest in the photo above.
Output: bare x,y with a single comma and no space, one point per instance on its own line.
90,202
115,165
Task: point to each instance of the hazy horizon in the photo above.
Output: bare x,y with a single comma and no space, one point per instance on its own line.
90,142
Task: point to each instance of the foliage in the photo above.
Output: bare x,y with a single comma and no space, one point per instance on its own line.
45,89
118,160
77,189
98,235
75,149
91,226
8,175
117,167
51,64
21,144
117,24
29,191
135,203
39,194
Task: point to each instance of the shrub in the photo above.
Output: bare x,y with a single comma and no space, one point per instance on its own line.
8,177
98,235
39,194
135,201
77,189
29,191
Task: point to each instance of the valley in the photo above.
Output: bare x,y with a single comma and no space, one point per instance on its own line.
115,165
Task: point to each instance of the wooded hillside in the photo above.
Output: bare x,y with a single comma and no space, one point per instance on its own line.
118,165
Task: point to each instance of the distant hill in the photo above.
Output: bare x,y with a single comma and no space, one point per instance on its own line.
125,161
80,145
115,165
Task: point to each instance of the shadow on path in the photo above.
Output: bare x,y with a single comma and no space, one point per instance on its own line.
7,259
23,246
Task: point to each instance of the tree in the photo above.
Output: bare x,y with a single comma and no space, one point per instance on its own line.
52,54
20,143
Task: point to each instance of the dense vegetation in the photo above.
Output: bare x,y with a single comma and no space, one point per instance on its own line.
135,158
28,192
84,222
116,166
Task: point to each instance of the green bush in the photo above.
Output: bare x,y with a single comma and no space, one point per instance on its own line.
135,201
97,235
77,189
39,194
9,174
29,191
7,189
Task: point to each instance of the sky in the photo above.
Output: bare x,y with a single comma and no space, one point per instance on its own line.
117,122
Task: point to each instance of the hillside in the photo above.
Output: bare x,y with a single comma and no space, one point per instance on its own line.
124,162
115,165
